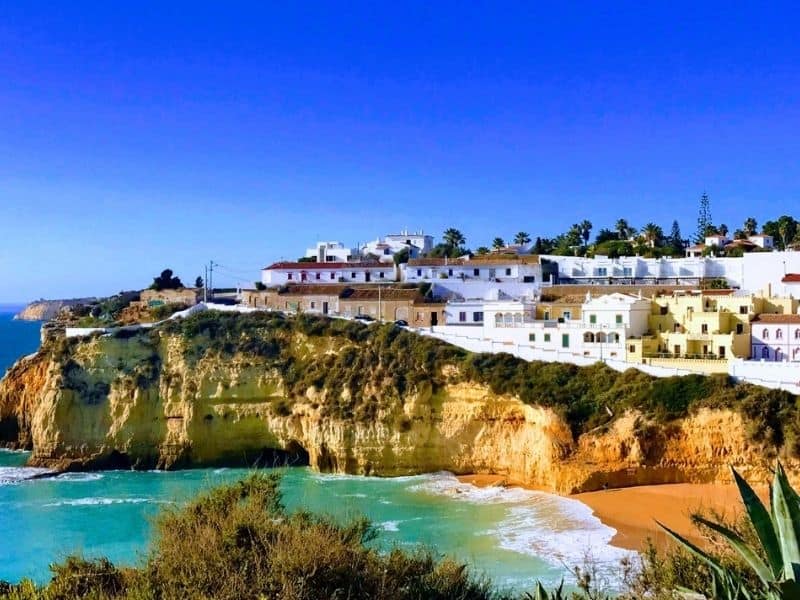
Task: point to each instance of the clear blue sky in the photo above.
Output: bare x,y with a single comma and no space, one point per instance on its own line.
169,134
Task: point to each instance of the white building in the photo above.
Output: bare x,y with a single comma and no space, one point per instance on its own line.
762,241
606,322
522,269
775,337
417,243
331,252
716,239
282,273
769,268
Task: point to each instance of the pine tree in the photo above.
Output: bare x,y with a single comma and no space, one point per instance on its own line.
703,219
675,238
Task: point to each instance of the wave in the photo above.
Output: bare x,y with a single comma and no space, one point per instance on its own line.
10,475
103,501
390,525
558,530
79,477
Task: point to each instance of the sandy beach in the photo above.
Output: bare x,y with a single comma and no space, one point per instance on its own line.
632,511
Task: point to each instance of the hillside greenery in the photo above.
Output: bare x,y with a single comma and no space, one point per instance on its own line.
379,365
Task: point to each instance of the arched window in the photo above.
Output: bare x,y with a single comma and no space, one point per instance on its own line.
518,319
508,320
778,354
779,334
797,334
601,338
796,354
765,352
614,338
765,334
498,320
588,337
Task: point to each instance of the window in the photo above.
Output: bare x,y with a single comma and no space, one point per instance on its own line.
289,276
627,272
546,337
381,275
778,354
333,275
508,319
631,348
498,320
528,279
593,319
477,317
313,304
743,310
797,334
352,275
386,251
462,317
618,319
319,275
565,340
531,337
765,334
567,314
704,328
739,328
547,315
765,352
779,334
518,319
450,272
601,271
419,272
508,272
476,272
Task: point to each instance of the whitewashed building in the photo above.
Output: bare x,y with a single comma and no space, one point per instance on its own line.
331,252
522,269
776,337
417,244
283,273
762,241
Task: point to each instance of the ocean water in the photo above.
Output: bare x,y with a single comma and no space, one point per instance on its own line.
513,536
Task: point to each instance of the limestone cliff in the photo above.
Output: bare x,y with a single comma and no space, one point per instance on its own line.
46,310
175,398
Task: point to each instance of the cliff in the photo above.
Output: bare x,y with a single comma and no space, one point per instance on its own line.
347,398
46,310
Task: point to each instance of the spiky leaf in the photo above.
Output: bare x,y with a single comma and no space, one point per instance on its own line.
762,523
749,554
786,515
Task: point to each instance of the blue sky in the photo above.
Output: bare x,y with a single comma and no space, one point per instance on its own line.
169,134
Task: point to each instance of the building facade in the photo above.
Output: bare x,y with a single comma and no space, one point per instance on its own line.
283,273
776,337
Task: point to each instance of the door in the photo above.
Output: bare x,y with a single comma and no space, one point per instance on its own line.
434,319
324,308
367,276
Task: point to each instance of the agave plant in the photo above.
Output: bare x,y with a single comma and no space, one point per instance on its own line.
778,533
542,594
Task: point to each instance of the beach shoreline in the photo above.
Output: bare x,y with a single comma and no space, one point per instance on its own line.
632,511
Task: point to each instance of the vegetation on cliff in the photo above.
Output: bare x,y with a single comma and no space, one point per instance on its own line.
359,371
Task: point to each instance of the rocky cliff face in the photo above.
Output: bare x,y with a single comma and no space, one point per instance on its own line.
46,310
163,400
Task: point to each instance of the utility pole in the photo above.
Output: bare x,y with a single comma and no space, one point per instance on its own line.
205,284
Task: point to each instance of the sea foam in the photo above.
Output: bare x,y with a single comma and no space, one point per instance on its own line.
10,475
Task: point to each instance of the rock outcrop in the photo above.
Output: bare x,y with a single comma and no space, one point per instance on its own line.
47,310
164,400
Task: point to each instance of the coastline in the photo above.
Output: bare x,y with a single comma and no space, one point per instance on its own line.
632,511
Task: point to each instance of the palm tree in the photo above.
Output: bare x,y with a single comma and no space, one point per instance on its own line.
723,230
750,226
622,228
652,234
586,230
482,250
522,238
453,238
498,243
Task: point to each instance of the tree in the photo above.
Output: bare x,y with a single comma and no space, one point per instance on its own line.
723,229
675,238
740,234
652,234
543,246
402,256
586,231
782,231
605,235
482,251
623,229
166,281
498,243
260,286
703,218
750,226
454,238
522,238
198,283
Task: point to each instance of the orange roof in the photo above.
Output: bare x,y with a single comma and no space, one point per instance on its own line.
791,278
324,266
769,318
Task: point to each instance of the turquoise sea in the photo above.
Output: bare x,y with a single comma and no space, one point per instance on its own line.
513,536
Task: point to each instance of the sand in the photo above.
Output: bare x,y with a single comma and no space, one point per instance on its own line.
633,511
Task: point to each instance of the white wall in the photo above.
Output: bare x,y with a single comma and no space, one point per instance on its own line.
762,268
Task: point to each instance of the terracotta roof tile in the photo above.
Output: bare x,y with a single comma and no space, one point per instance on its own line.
791,278
768,318
317,266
